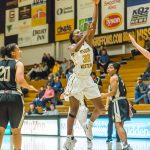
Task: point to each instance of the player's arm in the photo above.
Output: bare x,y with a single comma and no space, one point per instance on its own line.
20,77
114,86
141,49
76,47
94,22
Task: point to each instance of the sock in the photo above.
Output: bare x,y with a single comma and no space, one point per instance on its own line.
70,137
90,123
125,144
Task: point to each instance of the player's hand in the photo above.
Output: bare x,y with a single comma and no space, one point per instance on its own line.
96,2
89,29
106,107
32,88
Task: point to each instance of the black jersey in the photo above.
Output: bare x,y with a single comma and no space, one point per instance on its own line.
121,89
8,74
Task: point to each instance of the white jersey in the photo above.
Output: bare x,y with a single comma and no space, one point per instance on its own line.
83,60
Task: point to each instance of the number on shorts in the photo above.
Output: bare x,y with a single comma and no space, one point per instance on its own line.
86,58
4,73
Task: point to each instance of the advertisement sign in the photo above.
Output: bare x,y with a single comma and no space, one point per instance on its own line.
11,4
25,12
24,2
40,127
40,35
138,14
1,40
84,14
38,2
25,39
121,37
137,127
64,18
112,16
39,15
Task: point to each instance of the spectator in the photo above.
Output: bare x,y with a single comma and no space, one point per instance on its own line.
148,93
24,91
50,80
57,85
31,75
44,58
40,93
95,52
70,66
146,74
140,91
39,72
56,68
32,109
104,60
51,61
64,66
96,79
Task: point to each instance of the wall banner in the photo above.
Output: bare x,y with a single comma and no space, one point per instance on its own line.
112,16
138,14
40,35
25,12
24,2
64,18
84,14
39,15
11,4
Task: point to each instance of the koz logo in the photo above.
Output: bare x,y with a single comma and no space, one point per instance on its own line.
35,2
139,16
66,10
64,29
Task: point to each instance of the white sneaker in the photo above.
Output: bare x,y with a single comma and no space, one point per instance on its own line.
69,144
74,141
88,132
89,144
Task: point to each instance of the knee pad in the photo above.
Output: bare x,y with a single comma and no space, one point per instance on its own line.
72,116
15,131
2,130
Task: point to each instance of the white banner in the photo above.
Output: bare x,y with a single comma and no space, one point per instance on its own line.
25,39
138,16
40,127
1,40
112,16
84,14
12,16
40,35
24,2
64,10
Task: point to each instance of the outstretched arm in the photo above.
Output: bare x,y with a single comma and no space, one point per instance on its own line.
141,49
94,21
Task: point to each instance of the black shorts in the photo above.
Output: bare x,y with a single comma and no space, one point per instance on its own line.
11,110
120,110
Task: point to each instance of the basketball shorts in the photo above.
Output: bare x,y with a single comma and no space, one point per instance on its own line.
120,110
79,87
11,110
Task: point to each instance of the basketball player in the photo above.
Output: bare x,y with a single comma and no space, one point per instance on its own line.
80,83
145,52
120,106
11,100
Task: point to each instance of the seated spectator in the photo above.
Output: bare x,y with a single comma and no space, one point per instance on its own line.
49,96
44,58
140,91
64,66
40,93
39,72
57,85
32,109
146,75
51,61
96,79
148,93
31,75
104,60
56,68
51,80
70,66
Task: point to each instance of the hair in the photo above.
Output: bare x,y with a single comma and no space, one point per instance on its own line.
71,38
116,66
93,73
6,51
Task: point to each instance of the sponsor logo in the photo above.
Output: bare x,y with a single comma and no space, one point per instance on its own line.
39,14
12,16
64,29
9,28
65,10
112,21
36,2
140,16
25,12
11,3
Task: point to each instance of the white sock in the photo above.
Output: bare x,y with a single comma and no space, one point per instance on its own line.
90,123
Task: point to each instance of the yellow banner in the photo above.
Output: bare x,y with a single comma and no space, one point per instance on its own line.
39,15
63,29
121,37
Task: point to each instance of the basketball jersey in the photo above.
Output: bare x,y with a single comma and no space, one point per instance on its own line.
8,74
83,60
121,89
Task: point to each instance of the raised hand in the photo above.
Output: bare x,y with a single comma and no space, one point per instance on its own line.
96,2
132,39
